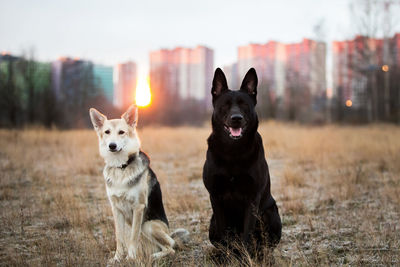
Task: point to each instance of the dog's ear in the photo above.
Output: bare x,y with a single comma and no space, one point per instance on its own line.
97,118
250,82
219,84
131,115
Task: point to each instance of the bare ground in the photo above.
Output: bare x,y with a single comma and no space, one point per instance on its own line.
337,188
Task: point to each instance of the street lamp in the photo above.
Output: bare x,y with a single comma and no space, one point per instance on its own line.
386,96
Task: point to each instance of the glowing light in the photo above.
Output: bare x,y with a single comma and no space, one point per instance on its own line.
329,93
349,103
385,68
143,93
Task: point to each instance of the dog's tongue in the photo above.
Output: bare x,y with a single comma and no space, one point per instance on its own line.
235,132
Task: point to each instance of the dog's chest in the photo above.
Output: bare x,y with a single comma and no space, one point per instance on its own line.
126,185
233,184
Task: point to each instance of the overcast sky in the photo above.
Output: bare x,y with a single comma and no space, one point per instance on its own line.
109,32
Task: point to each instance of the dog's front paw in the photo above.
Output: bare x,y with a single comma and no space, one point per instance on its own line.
131,254
114,260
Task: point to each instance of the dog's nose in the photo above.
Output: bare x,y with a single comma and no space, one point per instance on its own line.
112,146
236,117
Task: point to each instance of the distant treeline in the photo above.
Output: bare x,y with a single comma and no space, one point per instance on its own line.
27,96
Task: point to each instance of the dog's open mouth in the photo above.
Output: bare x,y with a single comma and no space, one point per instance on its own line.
234,133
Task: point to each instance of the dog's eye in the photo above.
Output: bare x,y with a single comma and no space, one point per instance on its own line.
225,108
107,132
121,132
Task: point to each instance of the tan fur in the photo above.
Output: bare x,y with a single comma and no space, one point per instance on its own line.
136,239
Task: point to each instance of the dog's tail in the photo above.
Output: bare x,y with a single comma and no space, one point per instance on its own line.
181,237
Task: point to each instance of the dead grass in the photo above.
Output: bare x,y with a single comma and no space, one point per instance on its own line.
338,190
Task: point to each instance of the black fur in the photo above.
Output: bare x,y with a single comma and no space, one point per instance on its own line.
155,208
236,173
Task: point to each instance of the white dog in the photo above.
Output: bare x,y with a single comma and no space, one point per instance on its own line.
141,226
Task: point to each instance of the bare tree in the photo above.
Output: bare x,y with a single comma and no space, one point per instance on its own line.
10,92
372,19
27,67
297,97
320,103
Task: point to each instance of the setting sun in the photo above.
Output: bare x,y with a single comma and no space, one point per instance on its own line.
143,94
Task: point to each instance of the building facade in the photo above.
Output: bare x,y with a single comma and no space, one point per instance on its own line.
365,78
268,60
74,88
185,73
104,79
354,60
231,73
125,78
290,75
180,81
71,78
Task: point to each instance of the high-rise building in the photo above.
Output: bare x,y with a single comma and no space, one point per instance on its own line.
7,57
125,88
274,61
357,59
268,60
185,73
104,79
308,59
231,73
71,78
286,69
73,86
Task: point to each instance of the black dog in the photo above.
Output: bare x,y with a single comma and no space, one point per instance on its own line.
236,173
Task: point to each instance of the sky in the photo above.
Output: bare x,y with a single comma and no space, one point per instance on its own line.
109,32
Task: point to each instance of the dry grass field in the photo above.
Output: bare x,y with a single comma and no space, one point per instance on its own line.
337,188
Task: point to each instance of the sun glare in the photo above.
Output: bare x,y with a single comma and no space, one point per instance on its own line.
143,94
